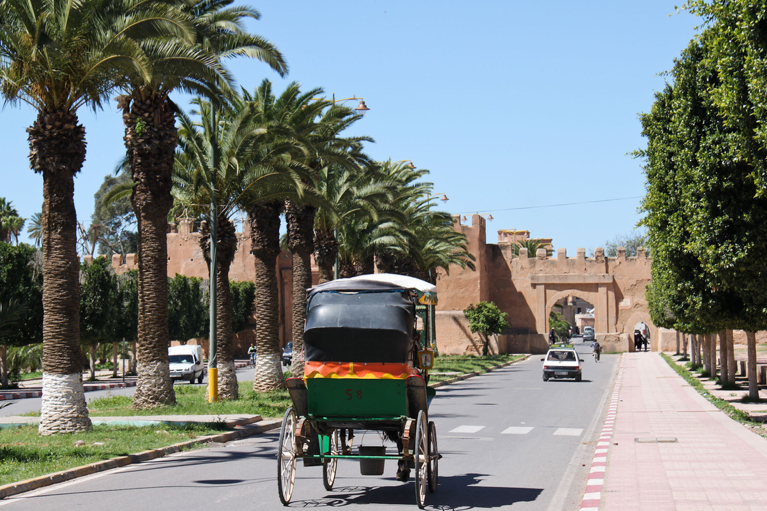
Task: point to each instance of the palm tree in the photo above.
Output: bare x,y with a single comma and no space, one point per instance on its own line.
317,124
15,225
151,139
9,219
532,247
216,158
57,57
35,229
281,154
431,243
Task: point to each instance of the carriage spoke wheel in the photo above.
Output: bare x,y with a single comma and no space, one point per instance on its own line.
421,457
433,465
330,466
286,457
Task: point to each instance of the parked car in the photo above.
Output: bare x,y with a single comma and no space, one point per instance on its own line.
562,361
588,333
186,363
287,354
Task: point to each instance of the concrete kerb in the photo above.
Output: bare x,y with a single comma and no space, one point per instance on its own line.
73,473
121,461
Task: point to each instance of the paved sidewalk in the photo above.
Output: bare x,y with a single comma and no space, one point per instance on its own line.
670,449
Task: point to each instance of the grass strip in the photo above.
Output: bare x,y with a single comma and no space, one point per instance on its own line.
465,364
192,400
727,408
24,454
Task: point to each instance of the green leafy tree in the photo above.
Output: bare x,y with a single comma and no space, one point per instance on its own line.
114,220
486,318
560,325
188,308
21,285
631,242
706,212
98,302
243,298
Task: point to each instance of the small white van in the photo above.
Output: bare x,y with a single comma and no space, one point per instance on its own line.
186,363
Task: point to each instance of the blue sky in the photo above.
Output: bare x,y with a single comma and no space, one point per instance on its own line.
512,105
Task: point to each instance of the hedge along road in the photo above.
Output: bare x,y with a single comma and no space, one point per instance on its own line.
509,441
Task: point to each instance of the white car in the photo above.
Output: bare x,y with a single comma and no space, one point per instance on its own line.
588,333
562,361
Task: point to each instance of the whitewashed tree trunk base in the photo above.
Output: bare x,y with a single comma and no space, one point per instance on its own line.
154,386
63,405
268,373
227,381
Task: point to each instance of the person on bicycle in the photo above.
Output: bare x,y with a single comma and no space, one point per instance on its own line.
252,355
597,350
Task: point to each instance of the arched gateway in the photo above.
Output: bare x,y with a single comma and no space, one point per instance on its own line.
528,286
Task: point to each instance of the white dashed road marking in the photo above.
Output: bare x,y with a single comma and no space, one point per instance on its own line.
568,432
516,431
467,429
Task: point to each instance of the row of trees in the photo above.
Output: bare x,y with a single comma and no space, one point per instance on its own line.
706,168
253,152
108,304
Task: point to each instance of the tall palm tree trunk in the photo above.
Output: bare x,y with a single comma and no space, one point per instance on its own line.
300,220
265,242
365,266
225,251
346,270
325,251
57,149
150,137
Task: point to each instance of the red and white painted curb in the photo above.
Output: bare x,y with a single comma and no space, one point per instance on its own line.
593,495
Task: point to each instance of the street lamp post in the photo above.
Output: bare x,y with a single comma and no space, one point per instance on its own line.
361,109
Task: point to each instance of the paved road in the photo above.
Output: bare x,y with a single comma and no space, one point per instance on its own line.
509,441
23,406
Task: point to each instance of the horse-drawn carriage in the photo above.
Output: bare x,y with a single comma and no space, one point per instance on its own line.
366,369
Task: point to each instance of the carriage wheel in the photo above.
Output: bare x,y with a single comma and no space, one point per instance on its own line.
421,455
286,457
432,468
330,466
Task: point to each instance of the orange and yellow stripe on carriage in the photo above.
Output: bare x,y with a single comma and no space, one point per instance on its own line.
359,370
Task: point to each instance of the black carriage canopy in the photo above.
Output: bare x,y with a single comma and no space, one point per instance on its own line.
363,319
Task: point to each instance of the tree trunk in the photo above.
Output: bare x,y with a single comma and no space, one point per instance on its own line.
684,345
325,251
677,342
346,270
753,382
226,249
365,266
724,358
695,351
713,355
265,242
704,344
92,361
300,220
731,356
151,138
4,383
57,149
114,360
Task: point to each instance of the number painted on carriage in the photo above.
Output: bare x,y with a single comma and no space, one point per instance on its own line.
350,394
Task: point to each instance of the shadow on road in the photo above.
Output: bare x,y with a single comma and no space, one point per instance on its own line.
460,492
